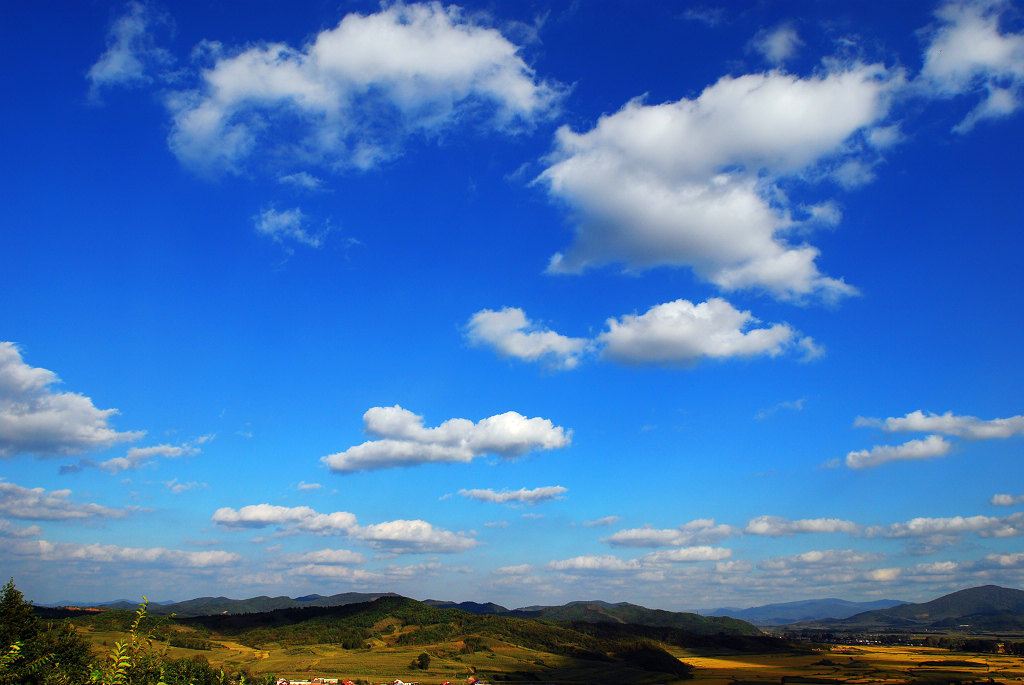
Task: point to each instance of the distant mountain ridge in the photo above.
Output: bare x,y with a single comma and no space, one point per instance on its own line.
594,611
785,613
632,614
985,608
209,606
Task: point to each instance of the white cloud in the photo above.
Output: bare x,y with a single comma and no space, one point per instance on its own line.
65,552
325,556
814,560
885,575
1015,560
294,519
1003,500
681,332
38,504
413,537
177,488
397,537
795,405
688,554
36,420
301,179
521,496
694,183
592,562
417,67
137,457
777,526
675,333
405,442
303,485
923,527
697,531
778,44
927,448
969,54
9,530
652,566
969,427
287,226
513,335
517,570
132,53
604,521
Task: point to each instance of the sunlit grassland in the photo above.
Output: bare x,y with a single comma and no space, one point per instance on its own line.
859,664
385,661
387,658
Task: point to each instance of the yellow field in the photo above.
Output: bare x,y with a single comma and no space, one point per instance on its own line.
861,664
868,664
383,664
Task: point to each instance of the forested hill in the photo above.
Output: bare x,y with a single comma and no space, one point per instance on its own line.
785,613
289,609
985,608
208,606
602,612
418,613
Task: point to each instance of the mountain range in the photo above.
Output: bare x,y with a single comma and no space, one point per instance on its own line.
785,613
986,608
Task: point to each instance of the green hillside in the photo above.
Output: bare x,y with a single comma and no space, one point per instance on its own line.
979,609
207,606
601,612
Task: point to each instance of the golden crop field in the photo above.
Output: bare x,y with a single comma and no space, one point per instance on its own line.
385,663
859,664
862,664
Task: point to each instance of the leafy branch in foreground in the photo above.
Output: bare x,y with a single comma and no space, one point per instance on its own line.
122,665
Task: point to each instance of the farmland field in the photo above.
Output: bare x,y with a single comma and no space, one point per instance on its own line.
383,664
502,662
860,664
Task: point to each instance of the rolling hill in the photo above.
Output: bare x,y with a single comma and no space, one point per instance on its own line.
785,613
632,614
208,606
979,609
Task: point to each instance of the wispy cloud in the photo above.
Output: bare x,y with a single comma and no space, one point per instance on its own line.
777,45
521,496
777,526
603,521
132,57
694,532
969,427
115,554
397,537
928,448
55,505
288,226
969,54
1004,500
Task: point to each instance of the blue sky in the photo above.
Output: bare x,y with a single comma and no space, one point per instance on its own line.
682,305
